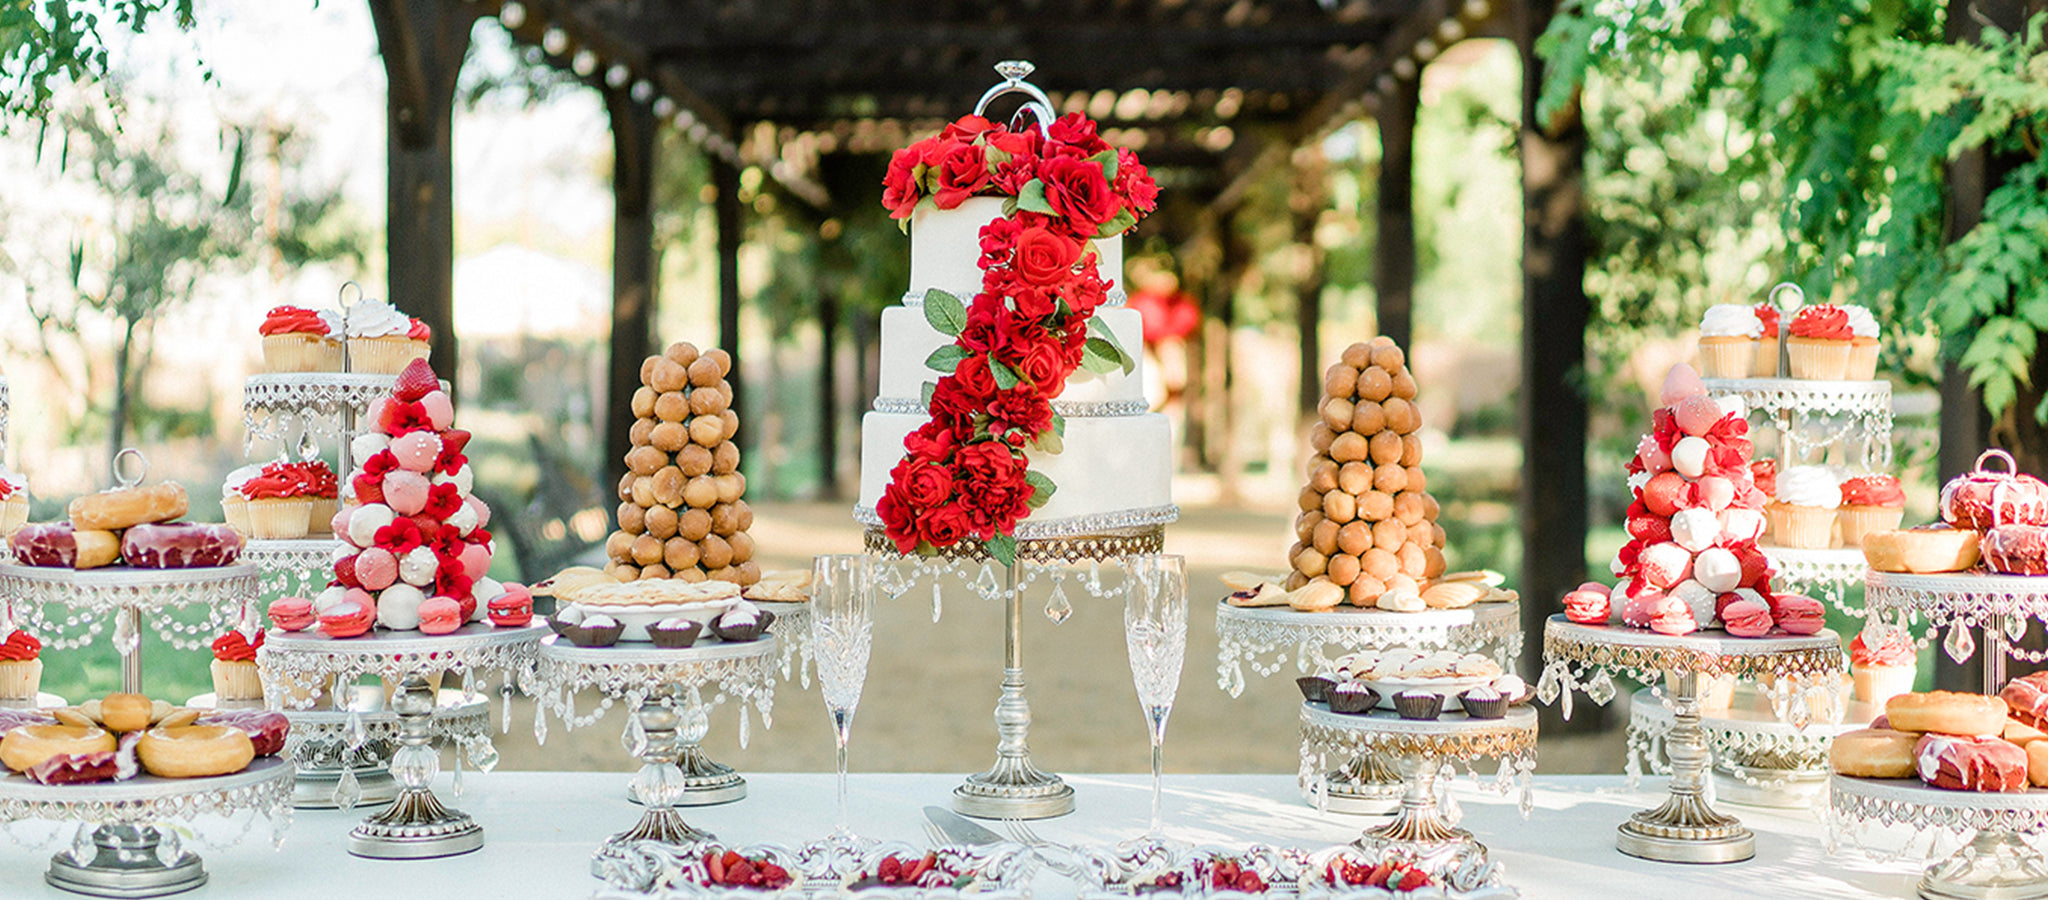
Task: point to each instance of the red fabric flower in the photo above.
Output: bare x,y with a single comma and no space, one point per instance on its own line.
1078,132
1044,365
1077,191
400,537
1025,412
990,482
927,484
1135,184
962,173
1046,258
900,190
967,129
899,517
451,581
379,463
442,501
943,526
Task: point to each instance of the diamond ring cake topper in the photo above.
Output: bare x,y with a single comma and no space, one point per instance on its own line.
1014,71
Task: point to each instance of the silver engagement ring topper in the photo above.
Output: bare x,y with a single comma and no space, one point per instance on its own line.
1014,71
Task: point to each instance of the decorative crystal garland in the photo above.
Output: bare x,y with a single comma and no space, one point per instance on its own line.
1071,409
277,405
1823,573
1959,602
1098,524
299,568
335,741
1115,297
1060,564
634,676
1853,808
474,660
1245,635
1736,751
89,596
266,792
1814,415
1800,673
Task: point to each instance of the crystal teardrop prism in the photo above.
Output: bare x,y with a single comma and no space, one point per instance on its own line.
1959,644
1057,608
347,791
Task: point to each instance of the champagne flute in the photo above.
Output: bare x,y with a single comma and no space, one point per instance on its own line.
1156,636
842,631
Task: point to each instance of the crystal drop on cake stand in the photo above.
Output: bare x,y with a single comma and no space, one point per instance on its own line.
126,861
660,784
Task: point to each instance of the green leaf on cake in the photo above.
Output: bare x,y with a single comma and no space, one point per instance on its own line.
1009,207
946,359
1059,424
926,392
1102,357
1049,442
1042,487
944,312
1031,198
1106,159
994,157
1004,548
1006,378
1122,223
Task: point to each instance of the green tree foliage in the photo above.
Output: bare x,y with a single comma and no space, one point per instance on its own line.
47,44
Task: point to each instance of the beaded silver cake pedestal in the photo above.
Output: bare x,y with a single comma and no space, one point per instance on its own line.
1812,415
1801,670
132,598
2001,606
1419,749
665,688
293,568
1757,758
1995,864
1262,637
1014,788
325,744
119,851
416,825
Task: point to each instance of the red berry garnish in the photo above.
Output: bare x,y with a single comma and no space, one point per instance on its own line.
416,381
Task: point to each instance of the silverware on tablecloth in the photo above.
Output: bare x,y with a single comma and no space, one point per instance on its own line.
958,830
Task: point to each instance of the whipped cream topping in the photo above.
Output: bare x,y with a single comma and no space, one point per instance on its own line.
1861,322
233,485
376,318
1809,486
1731,320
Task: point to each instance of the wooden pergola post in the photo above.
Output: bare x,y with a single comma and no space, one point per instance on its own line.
422,43
1394,212
725,179
634,148
1555,245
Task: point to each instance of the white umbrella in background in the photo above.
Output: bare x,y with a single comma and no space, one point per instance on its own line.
510,290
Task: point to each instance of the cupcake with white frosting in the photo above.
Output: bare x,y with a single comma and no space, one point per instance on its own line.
382,340
1803,512
1728,337
1862,343
234,505
13,501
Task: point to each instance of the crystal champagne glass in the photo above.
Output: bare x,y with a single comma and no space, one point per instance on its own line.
842,631
1156,635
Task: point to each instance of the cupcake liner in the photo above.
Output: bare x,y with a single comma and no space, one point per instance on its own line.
236,680
20,679
13,513
1876,684
1765,363
1857,521
320,515
675,638
383,355
1862,360
592,637
1801,527
279,518
1315,688
1818,360
1418,705
295,352
743,633
1726,357
1344,699
235,509
1484,709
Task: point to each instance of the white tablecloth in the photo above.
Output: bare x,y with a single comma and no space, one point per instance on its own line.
541,827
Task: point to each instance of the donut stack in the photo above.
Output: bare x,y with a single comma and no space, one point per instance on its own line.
1692,560
1367,523
682,512
415,544
1958,742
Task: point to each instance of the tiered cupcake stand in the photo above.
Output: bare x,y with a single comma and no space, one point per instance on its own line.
70,608
416,825
1758,759
671,692
295,409
1803,672
1997,861
325,743
1262,637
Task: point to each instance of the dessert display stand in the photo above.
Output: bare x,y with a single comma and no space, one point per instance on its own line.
1014,788
416,825
1801,670
1757,758
1421,750
325,743
69,608
1262,637
118,851
666,689
1996,862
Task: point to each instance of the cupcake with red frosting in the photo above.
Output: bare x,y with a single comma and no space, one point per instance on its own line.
1765,365
13,502
21,665
296,339
280,503
1870,503
234,664
1820,342
1883,663
323,489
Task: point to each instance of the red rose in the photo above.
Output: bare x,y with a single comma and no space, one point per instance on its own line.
1086,292
992,488
1044,365
998,241
943,526
963,172
975,378
1020,410
927,484
1077,131
953,409
900,190
929,443
1045,258
1077,191
1134,184
899,517
967,128
1034,304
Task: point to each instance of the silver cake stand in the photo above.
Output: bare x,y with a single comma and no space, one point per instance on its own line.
287,407
343,757
416,825
1262,637
1996,863
1822,574
1420,749
1758,759
129,596
1811,416
667,688
124,854
2000,606
1802,670
293,568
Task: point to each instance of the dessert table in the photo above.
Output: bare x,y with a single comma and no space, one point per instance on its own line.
545,825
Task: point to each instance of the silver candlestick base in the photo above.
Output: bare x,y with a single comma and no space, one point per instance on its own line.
416,825
706,782
1418,829
127,864
661,782
1013,788
1992,866
1685,829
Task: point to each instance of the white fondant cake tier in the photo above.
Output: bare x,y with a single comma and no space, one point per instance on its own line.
1106,465
945,250
907,340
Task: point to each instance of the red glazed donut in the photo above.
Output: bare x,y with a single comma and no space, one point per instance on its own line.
2016,549
1971,763
2027,698
181,545
1982,500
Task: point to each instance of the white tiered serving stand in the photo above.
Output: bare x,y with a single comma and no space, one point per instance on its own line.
1802,669
666,689
132,598
1261,638
119,851
1996,863
326,742
1421,749
416,825
1758,759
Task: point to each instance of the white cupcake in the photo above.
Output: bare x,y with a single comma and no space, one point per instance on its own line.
1728,338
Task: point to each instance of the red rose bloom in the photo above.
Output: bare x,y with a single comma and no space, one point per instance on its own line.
899,517
1020,412
944,526
963,172
990,484
1077,191
926,484
975,378
1044,365
900,191
967,128
1077,131
1045,258
1033,303
952,408
1141,193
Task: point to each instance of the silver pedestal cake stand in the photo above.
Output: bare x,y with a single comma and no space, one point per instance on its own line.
1014,788
132,598
1757,758
667,690
1420,750
416,825
1811,416
1997,863
325,744
287,407
1803,671
119,851
2000,607
1262,637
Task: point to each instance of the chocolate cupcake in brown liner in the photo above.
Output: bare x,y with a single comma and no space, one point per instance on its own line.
1483,702
675,634
737,629
1352,698
1418,704
594,631
1315,688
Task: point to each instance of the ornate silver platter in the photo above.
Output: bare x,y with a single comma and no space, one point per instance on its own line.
293,568
1758,758
278,406
1996,863
2002,605
119,851
667,690
69,608
1811,416
1822,574
1803,672
1262,637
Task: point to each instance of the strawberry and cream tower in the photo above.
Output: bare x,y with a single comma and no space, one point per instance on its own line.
413,533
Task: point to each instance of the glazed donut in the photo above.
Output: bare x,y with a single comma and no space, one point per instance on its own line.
57,545
1924,550
125,712
2016,549
195,751
267,730
125,507
1947,712
2027,698
1873,753
1971,763
25,747
180,545
2037,763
